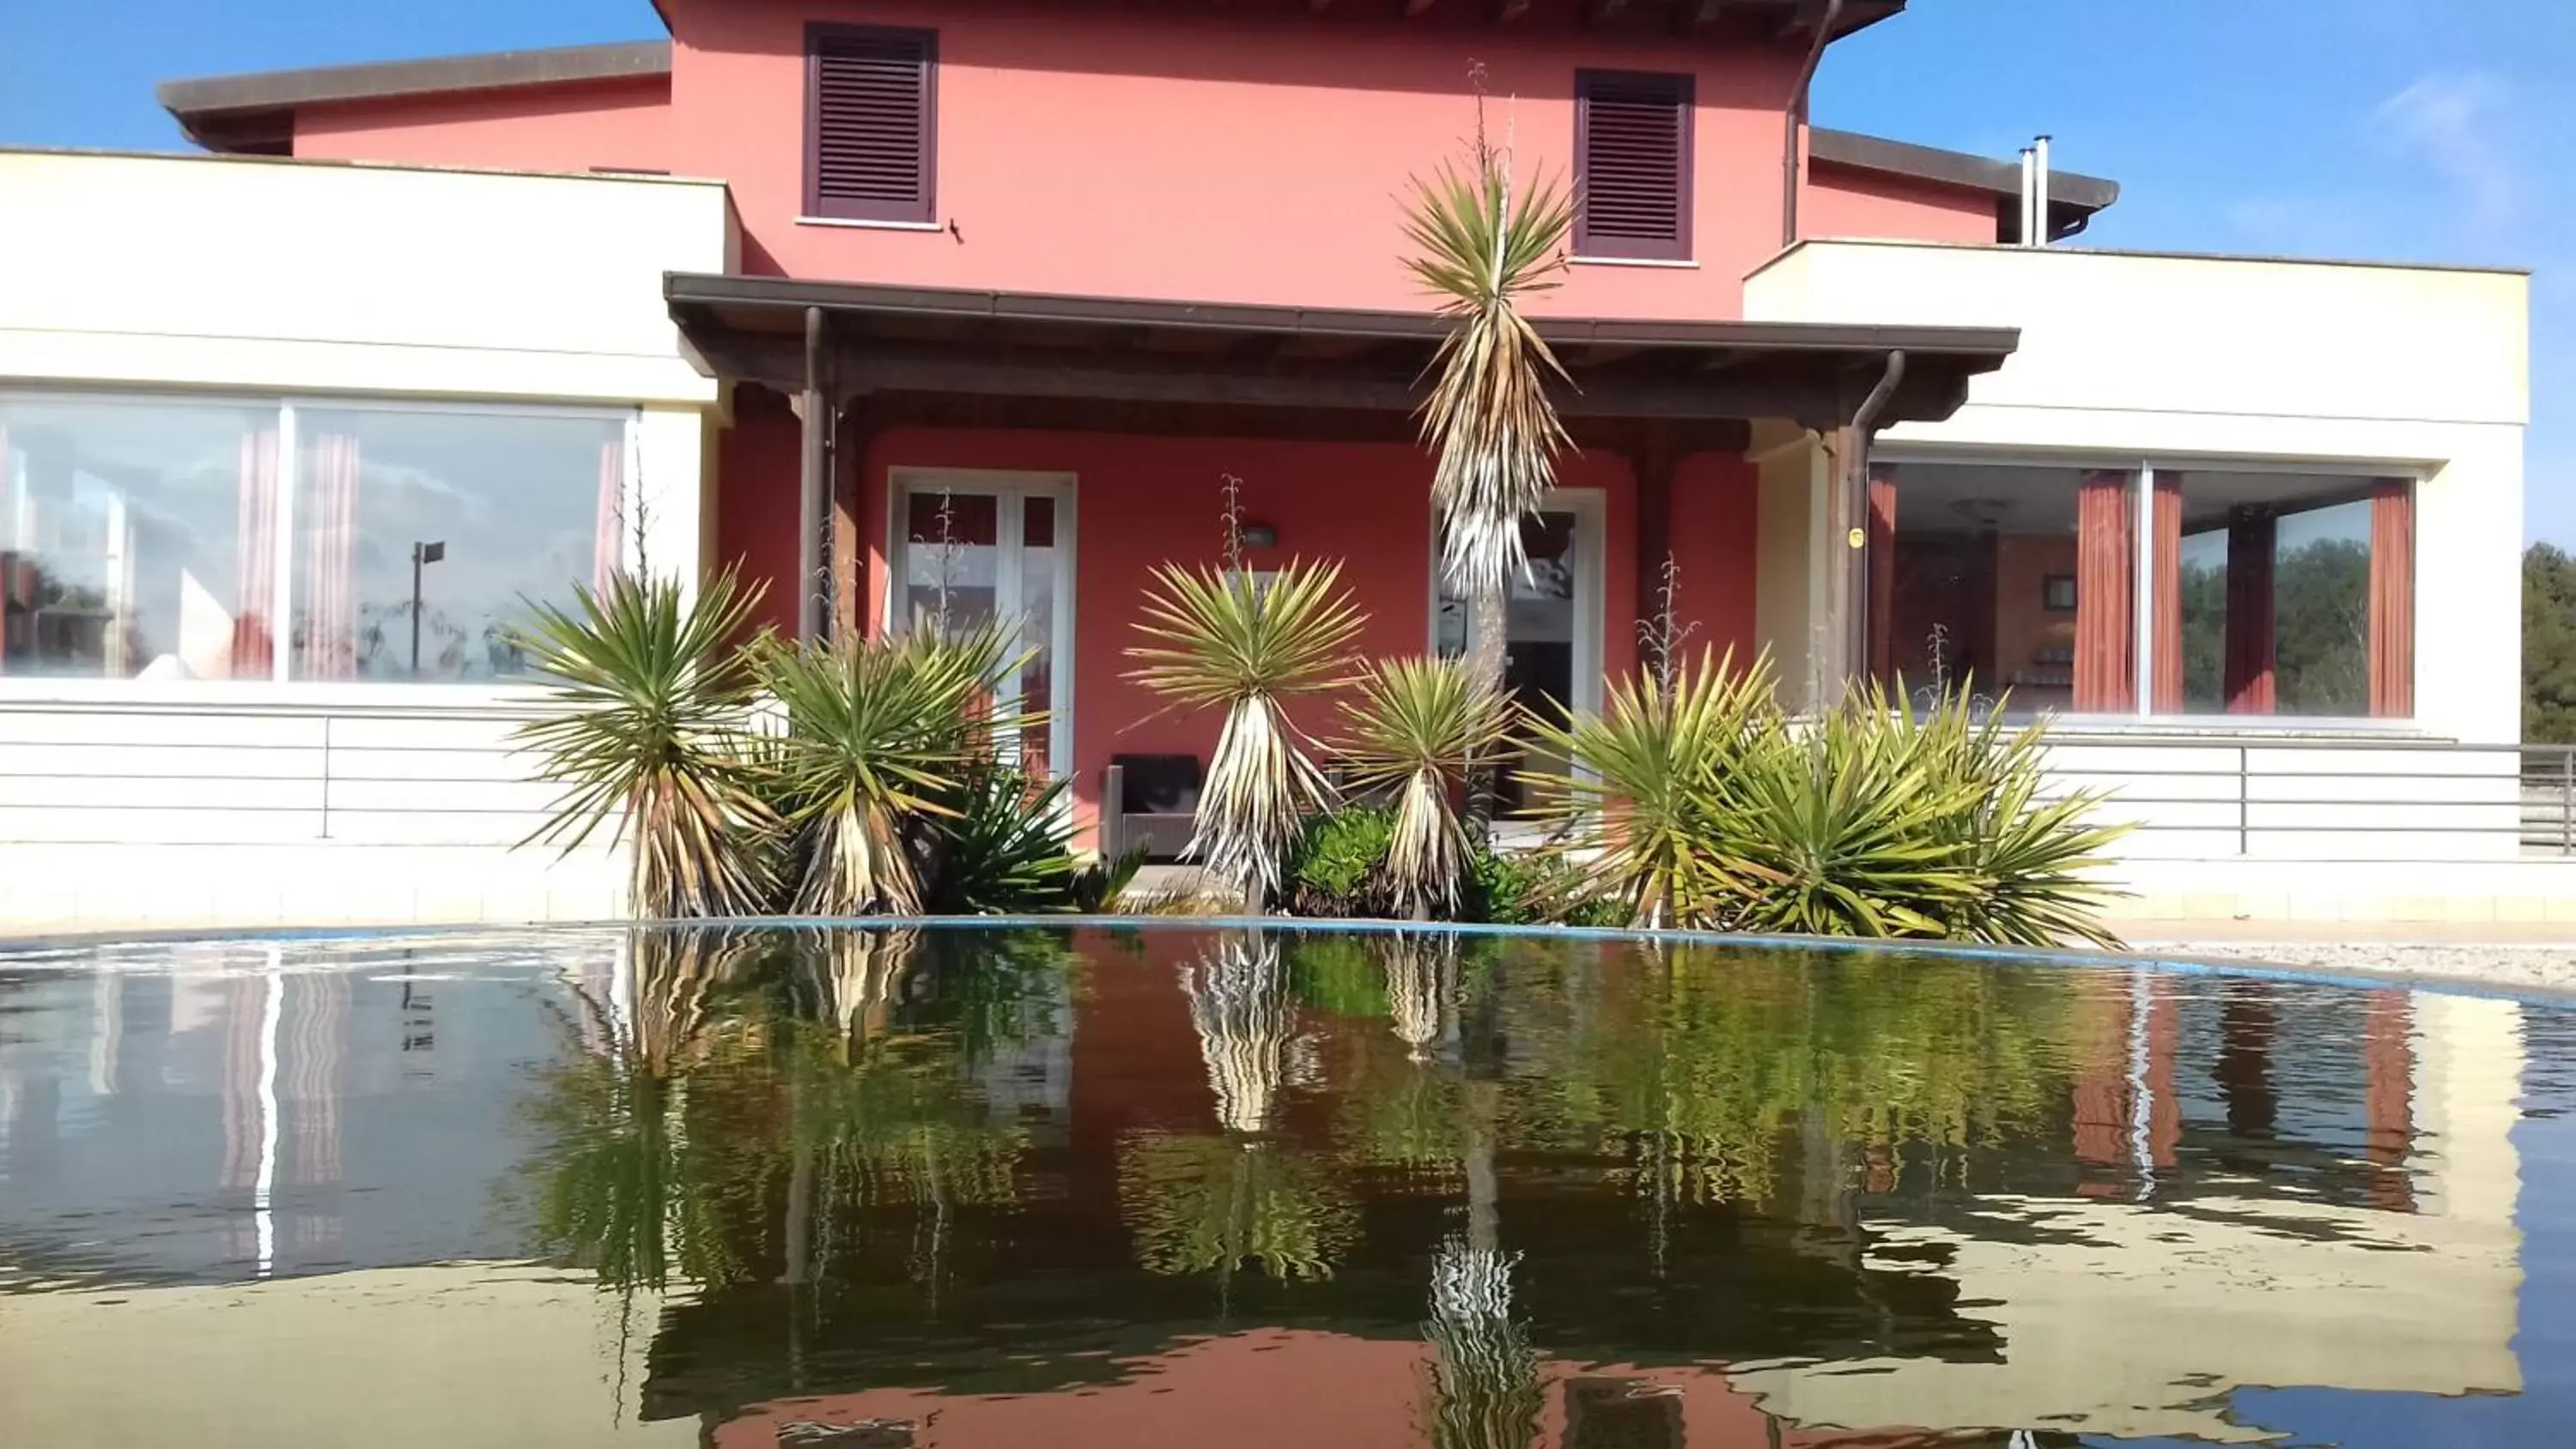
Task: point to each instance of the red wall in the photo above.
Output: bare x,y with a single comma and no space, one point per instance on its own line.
1841,202
1200,154
594,125
1141,501
757,463
1266,1388
1714,498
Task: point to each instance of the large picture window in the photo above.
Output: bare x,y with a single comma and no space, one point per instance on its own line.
2154,591
182,539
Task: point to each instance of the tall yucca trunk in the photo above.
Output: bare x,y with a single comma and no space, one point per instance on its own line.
1482,246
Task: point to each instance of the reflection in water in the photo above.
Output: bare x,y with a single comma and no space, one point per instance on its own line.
1485,1391
1119,1187
1240,1008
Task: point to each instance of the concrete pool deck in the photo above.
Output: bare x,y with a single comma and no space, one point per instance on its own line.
2521,955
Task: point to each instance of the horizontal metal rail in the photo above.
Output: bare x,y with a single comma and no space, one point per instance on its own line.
2526,792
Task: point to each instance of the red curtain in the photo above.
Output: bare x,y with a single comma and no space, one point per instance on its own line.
9,570
2251,625
2392,599
1882,573
328,503
608,548
2167,595
2106,676
254,653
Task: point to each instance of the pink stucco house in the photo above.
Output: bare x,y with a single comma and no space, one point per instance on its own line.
1068,265
885,299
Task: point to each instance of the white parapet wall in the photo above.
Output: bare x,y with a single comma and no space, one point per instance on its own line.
214,802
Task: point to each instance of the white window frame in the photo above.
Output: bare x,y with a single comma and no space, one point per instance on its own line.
1591,510
2142,470
278,689
1064,488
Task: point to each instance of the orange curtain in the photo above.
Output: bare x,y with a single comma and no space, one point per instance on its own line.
255,564
2392,599
1882,573
2106,676
2167,594
2251,625
327,644
608,546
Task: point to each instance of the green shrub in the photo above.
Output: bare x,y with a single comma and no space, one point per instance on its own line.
1531,888
1338,865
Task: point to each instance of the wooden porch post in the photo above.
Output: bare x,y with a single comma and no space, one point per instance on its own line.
813,483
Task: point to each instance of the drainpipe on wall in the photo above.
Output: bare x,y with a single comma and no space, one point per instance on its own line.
1796,119
1849,580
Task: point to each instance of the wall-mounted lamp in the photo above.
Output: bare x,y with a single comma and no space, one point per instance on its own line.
1258,535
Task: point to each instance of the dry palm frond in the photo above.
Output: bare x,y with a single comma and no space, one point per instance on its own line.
646,706
1421,727
1222,639
1481,248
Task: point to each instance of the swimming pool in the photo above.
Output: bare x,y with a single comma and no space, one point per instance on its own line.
1160,1183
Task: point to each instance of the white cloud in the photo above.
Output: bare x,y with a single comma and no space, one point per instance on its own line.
2453,120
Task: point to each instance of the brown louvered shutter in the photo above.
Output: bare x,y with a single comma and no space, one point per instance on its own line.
1632,146
870,106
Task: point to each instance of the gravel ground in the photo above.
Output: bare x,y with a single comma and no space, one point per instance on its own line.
2516,964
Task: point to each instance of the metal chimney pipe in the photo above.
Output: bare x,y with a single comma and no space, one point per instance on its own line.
2039,194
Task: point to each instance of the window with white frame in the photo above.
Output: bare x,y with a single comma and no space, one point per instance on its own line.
181,538
2147,590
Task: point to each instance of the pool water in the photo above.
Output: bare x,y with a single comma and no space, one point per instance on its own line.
1165,1184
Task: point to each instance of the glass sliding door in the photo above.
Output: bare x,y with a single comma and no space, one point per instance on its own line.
978,549
1551,627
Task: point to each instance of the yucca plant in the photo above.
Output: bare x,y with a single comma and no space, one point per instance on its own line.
1643,810
2031,857
1220,638
643,727
1845,828
1419,728
1483,245
879,734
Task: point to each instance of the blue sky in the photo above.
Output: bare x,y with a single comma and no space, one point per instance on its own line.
2409,130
